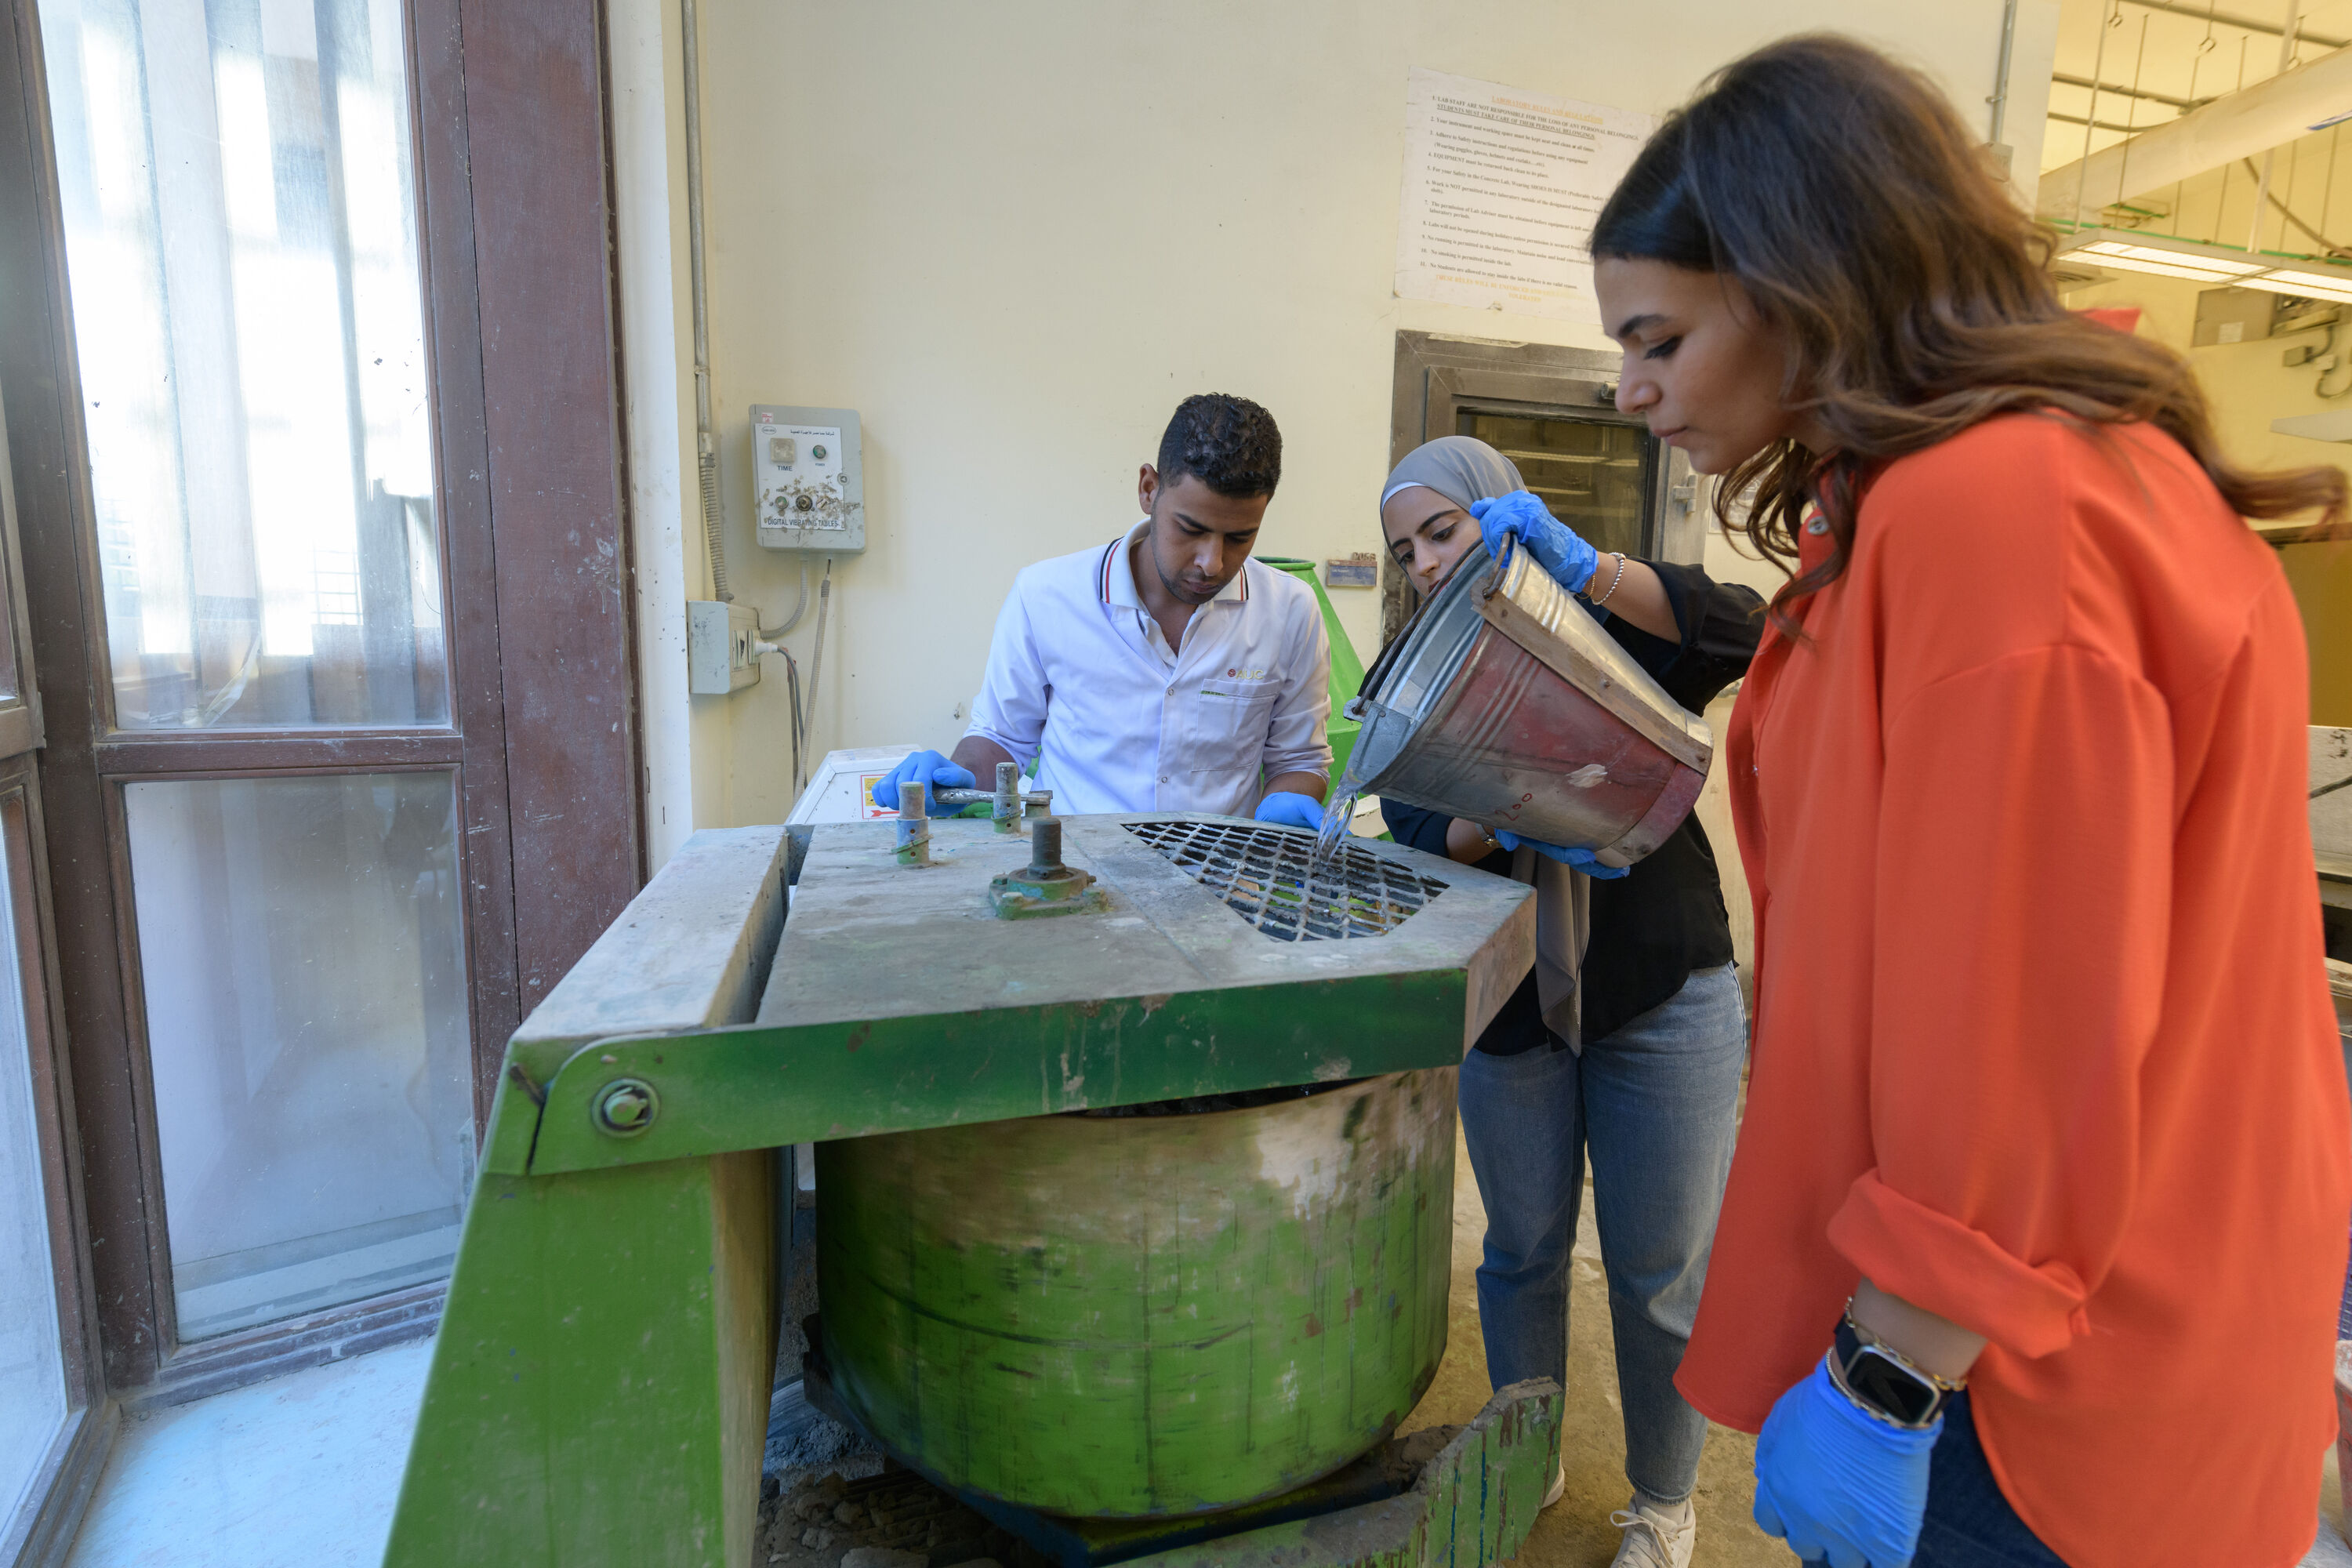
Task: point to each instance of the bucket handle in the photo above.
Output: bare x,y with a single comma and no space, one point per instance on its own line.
1502,566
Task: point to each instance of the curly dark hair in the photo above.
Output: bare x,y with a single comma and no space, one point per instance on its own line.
1228,442
1855,210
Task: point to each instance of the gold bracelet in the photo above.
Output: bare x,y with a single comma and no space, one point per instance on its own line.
1878,1342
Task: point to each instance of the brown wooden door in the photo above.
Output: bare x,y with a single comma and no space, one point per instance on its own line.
54,1418
324,536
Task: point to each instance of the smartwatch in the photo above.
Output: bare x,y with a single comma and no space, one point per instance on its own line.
1885,1384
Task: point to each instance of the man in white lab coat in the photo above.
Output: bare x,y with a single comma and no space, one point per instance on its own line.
1164,670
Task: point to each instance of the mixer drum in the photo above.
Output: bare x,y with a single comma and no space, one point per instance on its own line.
1109,1315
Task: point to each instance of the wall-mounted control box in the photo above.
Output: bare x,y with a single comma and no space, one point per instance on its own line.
808,478
719,653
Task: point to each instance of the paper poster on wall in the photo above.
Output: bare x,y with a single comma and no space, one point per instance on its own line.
1501,189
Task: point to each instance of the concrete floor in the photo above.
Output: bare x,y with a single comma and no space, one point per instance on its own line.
1575,1531
301,1471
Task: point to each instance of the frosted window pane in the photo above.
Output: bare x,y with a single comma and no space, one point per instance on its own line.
299,939
240,229
32,1362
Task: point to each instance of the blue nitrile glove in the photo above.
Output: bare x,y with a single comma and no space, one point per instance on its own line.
1838,1484
1581,859
1556,548
932,771
1291,810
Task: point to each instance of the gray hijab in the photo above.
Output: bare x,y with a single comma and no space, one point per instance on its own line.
1465,469
1462,468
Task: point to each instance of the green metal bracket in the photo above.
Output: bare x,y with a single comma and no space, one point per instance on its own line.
764,1087
599,1388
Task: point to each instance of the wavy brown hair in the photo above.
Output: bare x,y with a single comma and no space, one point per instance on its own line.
1862,220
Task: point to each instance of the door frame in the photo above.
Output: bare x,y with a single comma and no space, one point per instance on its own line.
40,1530
62,1486
508,117
1438,378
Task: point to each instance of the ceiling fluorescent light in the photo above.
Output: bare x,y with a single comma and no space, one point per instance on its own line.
2201,263
2162,256
2298,280
2221,266
2167,269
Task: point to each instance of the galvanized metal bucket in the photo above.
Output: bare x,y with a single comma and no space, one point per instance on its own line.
1504,701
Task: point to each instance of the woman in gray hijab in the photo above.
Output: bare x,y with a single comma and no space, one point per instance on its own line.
1626,1043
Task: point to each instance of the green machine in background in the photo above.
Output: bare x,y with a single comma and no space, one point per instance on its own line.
1347,668
1063,1269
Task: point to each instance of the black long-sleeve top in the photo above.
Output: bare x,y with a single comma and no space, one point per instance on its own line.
1664,918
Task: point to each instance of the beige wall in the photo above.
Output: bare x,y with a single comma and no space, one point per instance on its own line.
2248,386
2321,575
1013,236
687,741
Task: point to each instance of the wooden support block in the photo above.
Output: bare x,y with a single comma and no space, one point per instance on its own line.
1474,1505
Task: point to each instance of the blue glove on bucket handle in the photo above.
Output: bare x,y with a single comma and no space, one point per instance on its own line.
1556,548
1580,858
934,772
1838,1484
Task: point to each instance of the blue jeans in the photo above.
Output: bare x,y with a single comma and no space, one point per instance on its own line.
1970,1525
1655,1104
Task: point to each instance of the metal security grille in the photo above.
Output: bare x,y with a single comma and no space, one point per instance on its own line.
1269,876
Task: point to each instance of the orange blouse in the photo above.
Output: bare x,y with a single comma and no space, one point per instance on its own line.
2043,1041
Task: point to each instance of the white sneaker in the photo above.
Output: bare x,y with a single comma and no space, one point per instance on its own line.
1559,1486
1657,1535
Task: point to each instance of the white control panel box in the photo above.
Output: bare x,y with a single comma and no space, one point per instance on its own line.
808,478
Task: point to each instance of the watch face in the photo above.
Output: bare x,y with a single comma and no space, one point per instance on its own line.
1891,1387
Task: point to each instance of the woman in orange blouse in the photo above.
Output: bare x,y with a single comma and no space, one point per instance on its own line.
2036,1227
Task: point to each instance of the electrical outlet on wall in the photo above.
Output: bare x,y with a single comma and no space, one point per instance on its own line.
721,646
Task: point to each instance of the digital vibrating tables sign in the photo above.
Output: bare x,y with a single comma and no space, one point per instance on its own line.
1197,1309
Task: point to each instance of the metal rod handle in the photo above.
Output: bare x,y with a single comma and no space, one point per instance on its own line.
974,796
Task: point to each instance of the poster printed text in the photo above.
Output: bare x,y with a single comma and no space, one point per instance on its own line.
1501,188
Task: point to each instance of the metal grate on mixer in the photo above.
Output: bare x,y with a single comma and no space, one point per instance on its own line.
1270,877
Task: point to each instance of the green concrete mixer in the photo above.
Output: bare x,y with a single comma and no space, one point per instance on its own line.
1134,1166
